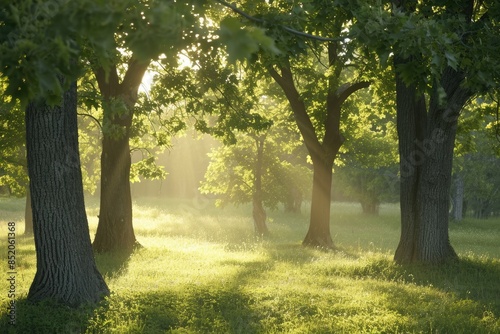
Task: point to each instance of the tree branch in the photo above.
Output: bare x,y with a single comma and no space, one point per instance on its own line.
95,119
107,81
306,128
134,75
290,30
344,91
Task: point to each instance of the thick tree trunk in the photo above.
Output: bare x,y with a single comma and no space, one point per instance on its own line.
426,143
66,270
28,215
411,113
115,231
433,244
318,234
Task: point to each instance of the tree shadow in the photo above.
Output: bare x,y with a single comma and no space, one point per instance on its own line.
469,304
303,254
198,309
227,307
45,317
284,253
52,317
112,265
466,279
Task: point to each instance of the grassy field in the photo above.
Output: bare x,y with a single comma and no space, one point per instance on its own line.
202,271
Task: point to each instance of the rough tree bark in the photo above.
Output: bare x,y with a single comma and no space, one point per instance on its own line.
28,215
426,142
322,153
66,270
115,231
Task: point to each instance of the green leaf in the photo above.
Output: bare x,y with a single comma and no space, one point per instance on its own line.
241,42
451,60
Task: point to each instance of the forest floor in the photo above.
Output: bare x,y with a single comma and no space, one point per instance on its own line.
201,270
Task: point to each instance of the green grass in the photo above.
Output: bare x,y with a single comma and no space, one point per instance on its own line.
202,271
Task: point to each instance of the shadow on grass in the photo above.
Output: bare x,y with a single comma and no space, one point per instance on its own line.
112,265
470,303
45,317
299,254
468,279
198,309
214,307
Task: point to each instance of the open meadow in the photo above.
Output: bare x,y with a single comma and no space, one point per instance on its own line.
201,270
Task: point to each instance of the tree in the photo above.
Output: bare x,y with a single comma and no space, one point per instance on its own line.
317,98
263,167
39,60
66,270
438,68
148,32
115,230
236,172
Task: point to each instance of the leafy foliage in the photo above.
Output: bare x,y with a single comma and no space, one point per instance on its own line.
477,156
13,172
231,173
367,168
41,40
433,37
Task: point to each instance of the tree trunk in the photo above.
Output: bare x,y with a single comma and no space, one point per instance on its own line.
66,270
294,200
28,214
433,243
258,212
115,231
259,218
370,206
318,234
426,142
411,115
